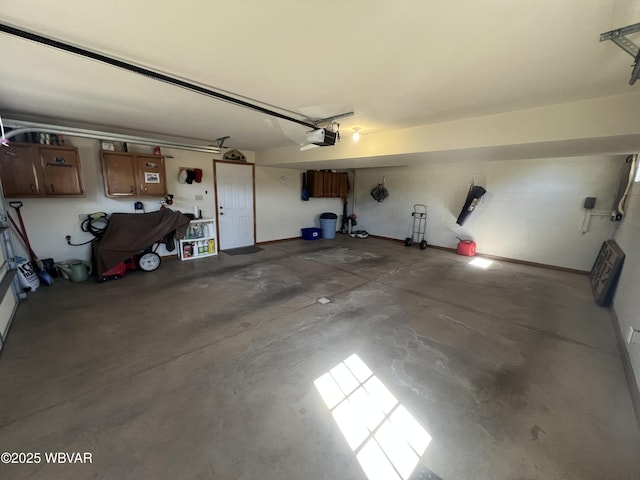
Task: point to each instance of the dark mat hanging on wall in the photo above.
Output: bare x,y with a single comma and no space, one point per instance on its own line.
606,271
473,197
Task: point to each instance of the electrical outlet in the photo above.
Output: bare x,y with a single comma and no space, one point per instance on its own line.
633,335
199,197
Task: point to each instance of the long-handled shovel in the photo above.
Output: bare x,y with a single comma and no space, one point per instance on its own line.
22,233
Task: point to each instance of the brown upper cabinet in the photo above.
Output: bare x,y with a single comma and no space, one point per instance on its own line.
133,175
327,184
31,170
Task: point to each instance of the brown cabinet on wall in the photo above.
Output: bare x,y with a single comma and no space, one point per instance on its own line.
61,171
327,184
133,175
339,184
31,170
315,183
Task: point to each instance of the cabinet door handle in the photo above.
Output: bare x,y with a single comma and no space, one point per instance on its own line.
131,190
52,189
33,187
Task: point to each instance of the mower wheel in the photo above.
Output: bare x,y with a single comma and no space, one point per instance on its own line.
408,242
148,261
423,244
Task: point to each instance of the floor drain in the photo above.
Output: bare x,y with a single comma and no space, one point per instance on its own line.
323,300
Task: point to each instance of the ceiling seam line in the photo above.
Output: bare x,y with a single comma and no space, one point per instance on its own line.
145,72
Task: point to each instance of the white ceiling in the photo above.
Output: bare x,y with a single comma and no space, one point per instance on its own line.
395,65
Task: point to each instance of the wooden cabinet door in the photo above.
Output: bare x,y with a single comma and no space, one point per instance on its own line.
339,184
327,184
61,171
151,181
315,183
118,173
343,184
19,168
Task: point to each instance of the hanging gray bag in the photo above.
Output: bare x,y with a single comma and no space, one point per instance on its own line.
379,193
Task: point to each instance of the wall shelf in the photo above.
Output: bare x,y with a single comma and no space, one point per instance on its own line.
200,240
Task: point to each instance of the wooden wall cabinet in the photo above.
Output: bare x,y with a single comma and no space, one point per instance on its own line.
315,183
339,184
61,171
32,170
133,175
327,184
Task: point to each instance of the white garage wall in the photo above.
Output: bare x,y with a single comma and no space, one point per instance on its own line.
280,213
49,220
627,301
532,211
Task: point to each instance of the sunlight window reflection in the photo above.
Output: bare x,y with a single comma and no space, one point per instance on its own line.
387,440
481,262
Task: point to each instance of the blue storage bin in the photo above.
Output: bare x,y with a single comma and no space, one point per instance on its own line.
311,233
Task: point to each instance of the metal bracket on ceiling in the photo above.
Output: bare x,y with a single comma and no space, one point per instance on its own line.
330,120
619,37
220,141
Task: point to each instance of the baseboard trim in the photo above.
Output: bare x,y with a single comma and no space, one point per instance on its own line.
632,383
496,257
387,238
535,264
268,242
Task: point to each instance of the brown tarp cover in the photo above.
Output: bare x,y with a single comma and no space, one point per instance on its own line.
130,233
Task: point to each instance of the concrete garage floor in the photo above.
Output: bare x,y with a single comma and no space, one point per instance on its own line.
206,369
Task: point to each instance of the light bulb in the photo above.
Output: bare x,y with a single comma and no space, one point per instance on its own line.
356,135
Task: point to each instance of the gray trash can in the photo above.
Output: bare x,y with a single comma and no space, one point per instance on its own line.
328,223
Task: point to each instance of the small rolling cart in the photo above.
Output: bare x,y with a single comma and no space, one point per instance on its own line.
419,227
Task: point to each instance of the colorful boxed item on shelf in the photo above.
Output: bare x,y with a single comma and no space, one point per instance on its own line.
311,233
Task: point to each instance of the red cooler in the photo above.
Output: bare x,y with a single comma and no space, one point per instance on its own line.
467,248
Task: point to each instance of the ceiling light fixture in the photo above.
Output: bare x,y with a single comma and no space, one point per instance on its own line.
356,134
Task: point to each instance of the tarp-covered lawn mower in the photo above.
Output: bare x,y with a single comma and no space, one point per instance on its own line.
127,243
419,227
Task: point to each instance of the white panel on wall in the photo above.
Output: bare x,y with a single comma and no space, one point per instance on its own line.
532,210
627,299
6,311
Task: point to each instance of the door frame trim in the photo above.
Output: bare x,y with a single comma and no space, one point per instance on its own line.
215,195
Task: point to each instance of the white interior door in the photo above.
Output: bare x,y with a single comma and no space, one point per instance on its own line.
234,189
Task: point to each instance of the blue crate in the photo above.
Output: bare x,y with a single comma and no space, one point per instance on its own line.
311,233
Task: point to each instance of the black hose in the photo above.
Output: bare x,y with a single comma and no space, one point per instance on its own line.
96,224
